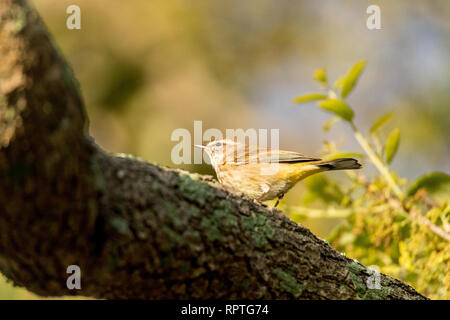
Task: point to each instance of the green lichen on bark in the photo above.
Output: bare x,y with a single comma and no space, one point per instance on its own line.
259,227
356,272
211,228
270,253
195,212
194,190
223,213
375,294
303,238
355,268
175,215
173,237
289,283
120,225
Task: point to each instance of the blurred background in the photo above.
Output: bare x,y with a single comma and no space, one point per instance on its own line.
147,68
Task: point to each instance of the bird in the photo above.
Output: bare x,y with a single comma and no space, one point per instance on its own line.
262,173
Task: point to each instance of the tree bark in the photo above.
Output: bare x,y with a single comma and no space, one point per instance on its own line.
135,229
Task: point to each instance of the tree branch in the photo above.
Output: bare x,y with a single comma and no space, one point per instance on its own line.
136,230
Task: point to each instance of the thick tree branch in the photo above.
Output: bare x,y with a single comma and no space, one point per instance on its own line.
135,229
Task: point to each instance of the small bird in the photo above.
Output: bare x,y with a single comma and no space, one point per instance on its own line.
265,174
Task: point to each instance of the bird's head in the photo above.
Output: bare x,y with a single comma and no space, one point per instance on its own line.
221,151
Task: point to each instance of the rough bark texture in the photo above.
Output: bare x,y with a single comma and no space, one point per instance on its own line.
136,230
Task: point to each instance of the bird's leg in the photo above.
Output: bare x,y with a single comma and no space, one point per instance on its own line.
260,199
266,190
279,199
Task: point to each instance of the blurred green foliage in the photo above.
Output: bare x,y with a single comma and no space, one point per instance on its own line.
402,227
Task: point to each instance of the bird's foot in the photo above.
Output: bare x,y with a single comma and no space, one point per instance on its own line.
278,200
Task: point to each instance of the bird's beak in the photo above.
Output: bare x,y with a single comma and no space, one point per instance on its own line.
199,146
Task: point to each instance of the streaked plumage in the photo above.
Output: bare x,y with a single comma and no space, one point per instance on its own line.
265,174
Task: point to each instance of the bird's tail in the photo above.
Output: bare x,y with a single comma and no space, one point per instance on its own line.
340,164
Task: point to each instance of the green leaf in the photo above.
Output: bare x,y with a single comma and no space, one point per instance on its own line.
327,126
309,97
338,107
437,184
351,78
339,82
380,122
392,143
320,75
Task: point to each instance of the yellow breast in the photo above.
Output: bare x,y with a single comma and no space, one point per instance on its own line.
264,181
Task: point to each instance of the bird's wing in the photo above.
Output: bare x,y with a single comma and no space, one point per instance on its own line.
255,155
290,156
